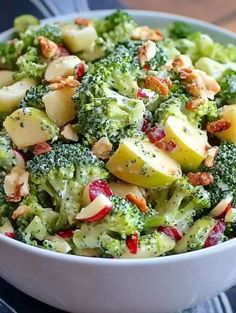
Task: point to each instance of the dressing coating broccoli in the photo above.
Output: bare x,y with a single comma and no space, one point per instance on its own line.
63,172
29,65
224,174
33,97
179,208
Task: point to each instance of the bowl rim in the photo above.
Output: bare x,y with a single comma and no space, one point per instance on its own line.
176,258
168,259
137,13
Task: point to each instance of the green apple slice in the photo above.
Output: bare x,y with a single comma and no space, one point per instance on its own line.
141,163
28,126
228,112
10,96
6,78
77,39
59,105
190,142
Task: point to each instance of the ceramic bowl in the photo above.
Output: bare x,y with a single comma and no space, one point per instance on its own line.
93,285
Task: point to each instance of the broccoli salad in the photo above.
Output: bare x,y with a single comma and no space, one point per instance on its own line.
117,140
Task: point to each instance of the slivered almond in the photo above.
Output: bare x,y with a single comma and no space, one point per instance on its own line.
61,82
16,184
200,178
48,48
19,211
147,33
211,156
102,148
147,52
157,84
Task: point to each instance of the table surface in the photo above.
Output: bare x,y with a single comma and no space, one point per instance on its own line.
220,12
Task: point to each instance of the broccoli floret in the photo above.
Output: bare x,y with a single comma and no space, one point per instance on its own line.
171,106
179,209
180,30
2,118
227,83
6,208
29,65
63,172
117,27
125,218
33,97
206,110
47,219
109,234
176,105
94,236
30,36
198,45
110,117
151,245
224,174
9,52
7,156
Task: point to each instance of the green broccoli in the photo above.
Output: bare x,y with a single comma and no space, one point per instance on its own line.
109,234
6,208
180,30
63,172
125,218
205,111
179,208
117,27
94,236
29,65
33,97
227,83
9,53
171,106
109,116
7,156
198,45
30,36
224,174
37,222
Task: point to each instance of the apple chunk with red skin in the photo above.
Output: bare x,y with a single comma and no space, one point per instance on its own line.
222,207
95,188
96,210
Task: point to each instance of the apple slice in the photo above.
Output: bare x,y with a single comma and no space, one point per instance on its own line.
173,232
228,112
7,228
121,189
19,159
221,209
230,216
140,163
96,210
215,235
190,142
95,188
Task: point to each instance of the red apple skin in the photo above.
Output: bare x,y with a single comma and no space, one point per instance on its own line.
106,210
225,208
216,234
20,161
172,232
95,188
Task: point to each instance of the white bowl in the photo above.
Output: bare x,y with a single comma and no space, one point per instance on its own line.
89,285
